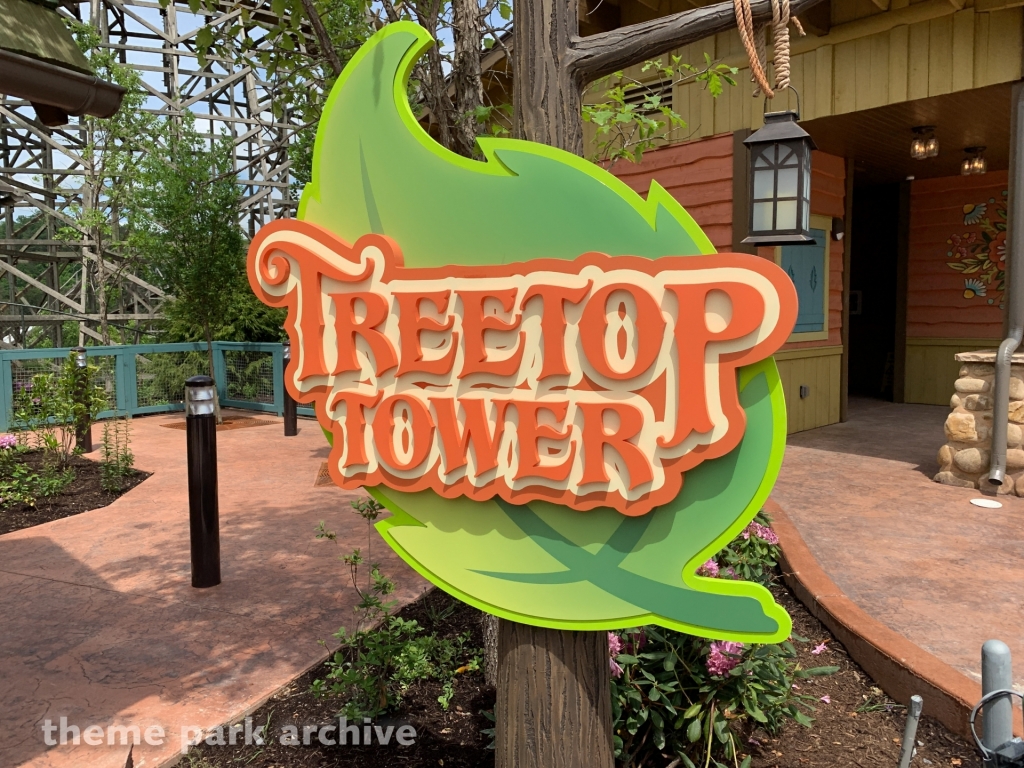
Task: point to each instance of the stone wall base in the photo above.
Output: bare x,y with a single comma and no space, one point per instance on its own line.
964,459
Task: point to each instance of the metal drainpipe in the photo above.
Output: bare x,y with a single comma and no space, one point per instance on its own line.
1015,289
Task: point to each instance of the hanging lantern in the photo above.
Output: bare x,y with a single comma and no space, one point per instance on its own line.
780,181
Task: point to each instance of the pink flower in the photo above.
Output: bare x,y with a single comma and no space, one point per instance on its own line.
723,657
614,649
710,569
826,698
820,649
8,441
762,532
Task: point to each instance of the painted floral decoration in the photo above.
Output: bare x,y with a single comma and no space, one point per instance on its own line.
973,287
981,251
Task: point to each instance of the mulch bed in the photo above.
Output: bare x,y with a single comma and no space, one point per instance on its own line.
859,728
85,493
227,424
452,739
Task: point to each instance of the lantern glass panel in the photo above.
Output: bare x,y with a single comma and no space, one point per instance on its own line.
788,179
764,184
762,217
785,214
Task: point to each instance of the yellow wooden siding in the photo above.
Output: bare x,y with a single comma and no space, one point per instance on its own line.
819,369
932,369
869,59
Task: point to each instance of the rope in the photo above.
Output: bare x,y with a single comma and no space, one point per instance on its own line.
754,42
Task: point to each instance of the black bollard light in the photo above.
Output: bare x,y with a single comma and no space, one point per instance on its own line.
290,425
203,515
83,424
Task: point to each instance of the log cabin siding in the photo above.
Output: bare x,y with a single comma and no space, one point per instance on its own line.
936,304
698,174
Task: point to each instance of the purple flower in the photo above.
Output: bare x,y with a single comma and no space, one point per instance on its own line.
710,569
614,649
761,531
8,441
723,656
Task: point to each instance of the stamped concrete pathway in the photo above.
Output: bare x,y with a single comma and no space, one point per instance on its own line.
913,554
99,623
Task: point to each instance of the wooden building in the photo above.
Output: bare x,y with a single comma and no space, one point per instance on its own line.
908,268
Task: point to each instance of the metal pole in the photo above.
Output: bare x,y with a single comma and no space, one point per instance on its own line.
996,675
203,513
83,424
1014,293
910,730
290,424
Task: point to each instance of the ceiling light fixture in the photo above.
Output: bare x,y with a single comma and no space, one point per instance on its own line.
975,162
925,144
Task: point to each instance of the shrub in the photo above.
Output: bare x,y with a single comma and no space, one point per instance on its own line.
51,407
374,666
19,484
694,699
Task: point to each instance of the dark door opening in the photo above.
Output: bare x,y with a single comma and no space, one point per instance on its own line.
873,274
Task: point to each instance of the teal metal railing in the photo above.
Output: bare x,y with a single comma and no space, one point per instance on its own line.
150,378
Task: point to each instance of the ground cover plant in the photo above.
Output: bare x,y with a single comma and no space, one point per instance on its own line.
42,474
759,720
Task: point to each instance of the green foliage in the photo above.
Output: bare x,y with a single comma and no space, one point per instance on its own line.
374,666
274,36
53,405
188,228
694,699
752,558
19,484
118,460
102,202
244,318
629,115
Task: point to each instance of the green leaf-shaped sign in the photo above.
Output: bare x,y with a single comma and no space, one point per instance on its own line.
563,395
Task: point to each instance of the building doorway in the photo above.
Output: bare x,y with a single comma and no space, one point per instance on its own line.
873,290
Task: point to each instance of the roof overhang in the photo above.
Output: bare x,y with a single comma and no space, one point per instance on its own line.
71,92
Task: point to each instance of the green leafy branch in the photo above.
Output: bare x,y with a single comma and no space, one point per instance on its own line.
631,117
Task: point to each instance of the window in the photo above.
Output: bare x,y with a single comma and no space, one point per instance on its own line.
807,266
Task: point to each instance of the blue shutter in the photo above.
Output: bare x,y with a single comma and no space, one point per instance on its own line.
805,265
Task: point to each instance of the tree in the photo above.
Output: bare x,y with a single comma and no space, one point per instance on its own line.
188,227
104,197
299,48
